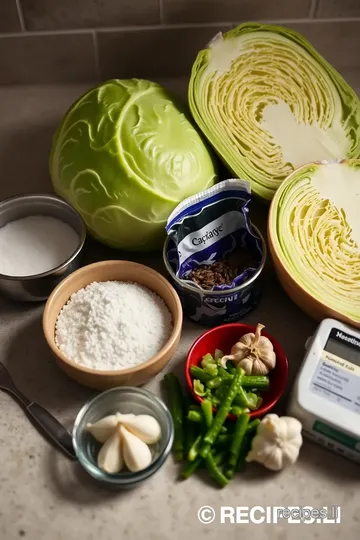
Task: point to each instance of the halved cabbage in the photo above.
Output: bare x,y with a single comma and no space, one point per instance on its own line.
314,234
269,103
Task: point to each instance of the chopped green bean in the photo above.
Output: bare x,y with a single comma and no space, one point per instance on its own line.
199,388
230,367
206,407
215,383
244,450
253,401
207,359
195,416
220,457
191,432
223,439
214,470
237,411
193,407
211,369
200,374
252,426
261,382
176,406
194,450
225,374
240,430
222,412
191,467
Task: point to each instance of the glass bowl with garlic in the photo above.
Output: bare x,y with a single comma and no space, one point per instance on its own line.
123,436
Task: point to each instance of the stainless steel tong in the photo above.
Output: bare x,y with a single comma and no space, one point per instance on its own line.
45,421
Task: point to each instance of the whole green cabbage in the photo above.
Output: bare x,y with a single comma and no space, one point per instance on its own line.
124,156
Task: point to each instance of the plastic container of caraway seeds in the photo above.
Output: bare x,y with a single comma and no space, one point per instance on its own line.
209,227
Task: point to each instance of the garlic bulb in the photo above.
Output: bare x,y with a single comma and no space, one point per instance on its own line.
277,442
110,457
144,426
136,453
104,428
254,353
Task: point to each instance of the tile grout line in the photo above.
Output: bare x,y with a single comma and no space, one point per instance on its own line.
96,54
20,15
177,26
313,8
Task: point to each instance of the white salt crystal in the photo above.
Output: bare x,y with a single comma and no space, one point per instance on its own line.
34,245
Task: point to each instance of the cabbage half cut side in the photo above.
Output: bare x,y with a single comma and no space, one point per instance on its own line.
314,235
269,103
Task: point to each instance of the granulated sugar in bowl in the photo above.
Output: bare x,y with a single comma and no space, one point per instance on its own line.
34,245
113,325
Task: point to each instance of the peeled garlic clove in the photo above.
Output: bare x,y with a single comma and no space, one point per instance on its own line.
144,426
136,453
104,428
110,458
124,417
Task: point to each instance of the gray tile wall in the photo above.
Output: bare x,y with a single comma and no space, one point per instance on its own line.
47,41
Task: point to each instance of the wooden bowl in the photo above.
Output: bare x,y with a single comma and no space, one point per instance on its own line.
113,271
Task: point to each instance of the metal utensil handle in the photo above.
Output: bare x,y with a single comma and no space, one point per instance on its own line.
52,427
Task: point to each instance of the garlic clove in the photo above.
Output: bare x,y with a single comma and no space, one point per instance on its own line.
104,428
143,426
225,359
124,417
110,457
136,453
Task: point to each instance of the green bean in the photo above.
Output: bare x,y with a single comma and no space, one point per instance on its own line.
191,428
261,382
225,374
200,374
176,405
215,382
221,392
237,411
223,429
254,401
195,416
219,458
194,450
206,407
191,432
193,407
222,412
214,470
240,430
230,367
211,369
223,439
207,359
244,450
252,426
215,401
191,467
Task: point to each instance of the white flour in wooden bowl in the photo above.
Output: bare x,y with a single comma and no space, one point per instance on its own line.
113,325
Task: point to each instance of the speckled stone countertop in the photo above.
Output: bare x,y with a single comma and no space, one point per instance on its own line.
43,496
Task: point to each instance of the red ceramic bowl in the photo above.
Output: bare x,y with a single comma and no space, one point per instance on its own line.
223,338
